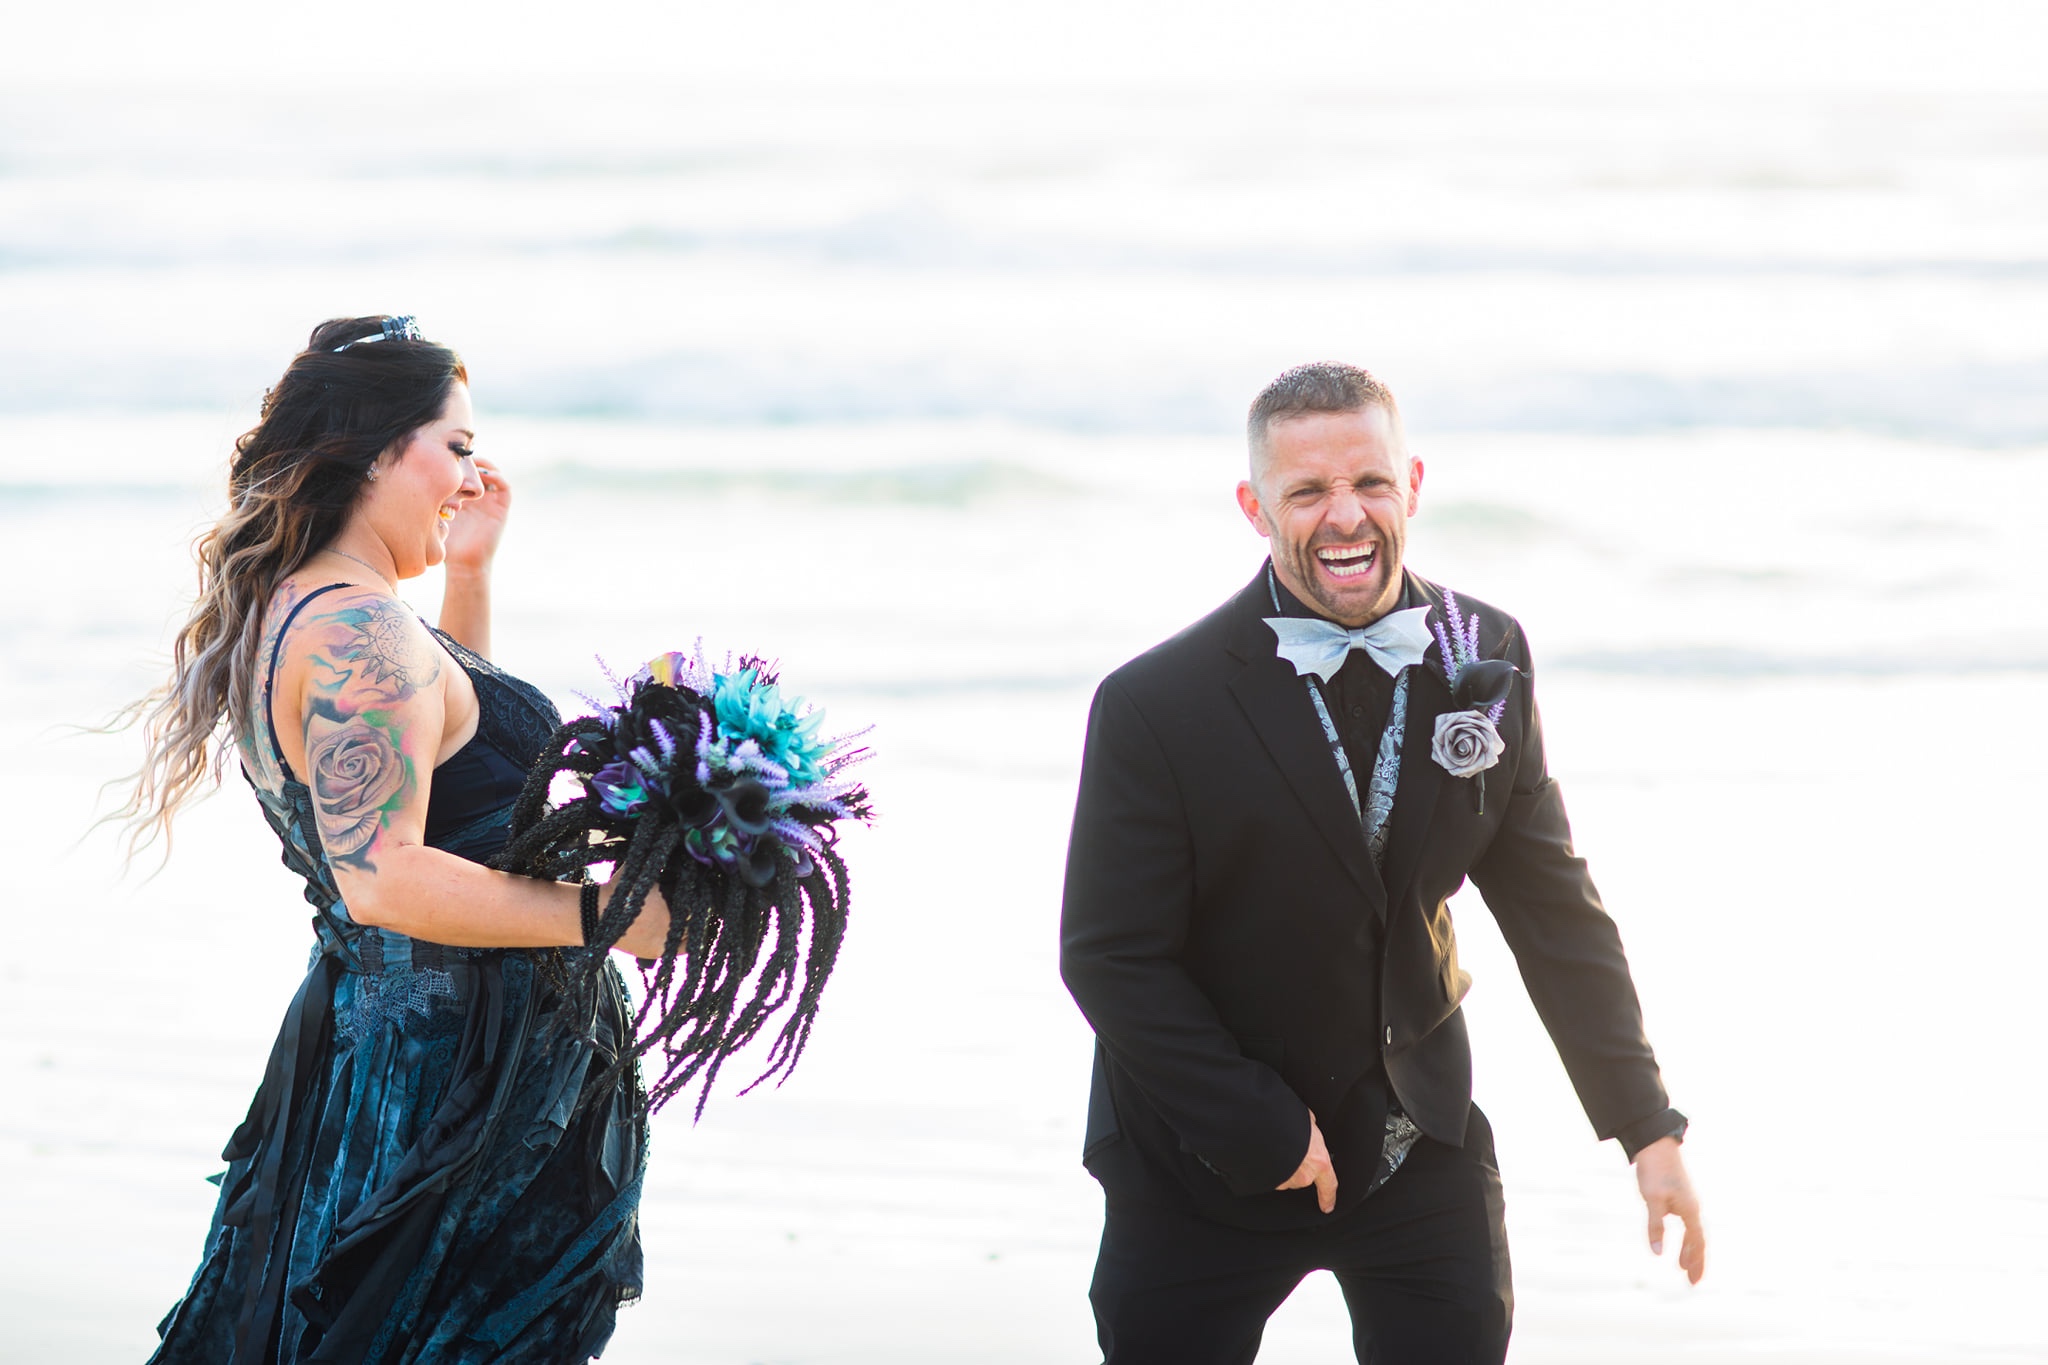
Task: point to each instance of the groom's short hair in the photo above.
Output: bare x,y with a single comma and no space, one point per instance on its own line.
1321,386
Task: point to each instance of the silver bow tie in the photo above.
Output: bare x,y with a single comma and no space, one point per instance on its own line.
1313,645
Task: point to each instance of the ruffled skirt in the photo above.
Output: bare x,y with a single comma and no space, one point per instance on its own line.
425,1177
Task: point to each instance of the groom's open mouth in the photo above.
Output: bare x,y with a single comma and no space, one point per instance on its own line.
1347,561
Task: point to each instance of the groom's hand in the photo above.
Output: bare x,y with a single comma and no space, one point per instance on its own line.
1667,1193
1316,1170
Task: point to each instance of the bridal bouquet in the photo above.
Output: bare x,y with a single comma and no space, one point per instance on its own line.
713,785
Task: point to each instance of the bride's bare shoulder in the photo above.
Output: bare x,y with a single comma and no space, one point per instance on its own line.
355,640
336,647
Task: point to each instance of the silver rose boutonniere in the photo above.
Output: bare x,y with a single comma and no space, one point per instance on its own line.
1467,740
1466,743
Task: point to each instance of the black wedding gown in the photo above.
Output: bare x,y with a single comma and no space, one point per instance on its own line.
426,1176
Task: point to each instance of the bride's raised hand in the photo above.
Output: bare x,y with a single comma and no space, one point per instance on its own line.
474,534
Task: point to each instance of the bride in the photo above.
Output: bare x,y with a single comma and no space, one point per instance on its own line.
435,1168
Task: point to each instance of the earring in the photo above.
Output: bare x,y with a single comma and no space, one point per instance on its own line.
371,476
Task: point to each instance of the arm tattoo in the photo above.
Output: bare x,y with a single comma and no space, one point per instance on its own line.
359,773
368,660
259,759
381,648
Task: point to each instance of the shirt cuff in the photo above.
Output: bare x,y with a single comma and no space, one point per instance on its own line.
1640,1134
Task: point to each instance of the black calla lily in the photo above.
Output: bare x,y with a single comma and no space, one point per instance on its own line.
1483,684
746,806
757,865
695,808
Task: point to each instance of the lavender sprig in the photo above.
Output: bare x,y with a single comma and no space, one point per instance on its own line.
1458,647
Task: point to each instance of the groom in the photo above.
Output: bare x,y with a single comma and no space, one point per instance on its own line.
1275,805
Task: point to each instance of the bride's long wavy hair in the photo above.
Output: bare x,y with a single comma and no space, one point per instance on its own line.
342,404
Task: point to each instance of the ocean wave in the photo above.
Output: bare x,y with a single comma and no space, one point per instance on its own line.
1987,405
1982,405
913,236
1709,662
944,484
1690,663
1979,405
34,497
961,483
1496,524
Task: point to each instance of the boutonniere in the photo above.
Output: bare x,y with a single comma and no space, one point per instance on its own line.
1467,740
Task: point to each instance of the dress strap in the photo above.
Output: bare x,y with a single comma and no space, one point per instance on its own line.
270,678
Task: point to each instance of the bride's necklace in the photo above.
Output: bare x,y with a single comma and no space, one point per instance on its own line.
366,564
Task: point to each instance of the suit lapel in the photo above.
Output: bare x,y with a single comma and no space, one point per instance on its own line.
1275,701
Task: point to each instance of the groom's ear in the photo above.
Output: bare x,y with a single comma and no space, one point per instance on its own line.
1414,483
1248,503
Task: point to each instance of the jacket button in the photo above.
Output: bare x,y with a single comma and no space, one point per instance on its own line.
1390,1035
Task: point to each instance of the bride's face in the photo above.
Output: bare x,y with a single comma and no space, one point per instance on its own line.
418,490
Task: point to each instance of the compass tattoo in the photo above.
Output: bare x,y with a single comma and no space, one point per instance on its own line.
383,648
373,644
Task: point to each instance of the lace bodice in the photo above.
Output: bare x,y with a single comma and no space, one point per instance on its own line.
513,715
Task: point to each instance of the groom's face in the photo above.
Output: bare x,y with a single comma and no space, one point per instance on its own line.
1333,491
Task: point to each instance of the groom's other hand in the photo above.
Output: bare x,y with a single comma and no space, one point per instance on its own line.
1667,1193
1316,1170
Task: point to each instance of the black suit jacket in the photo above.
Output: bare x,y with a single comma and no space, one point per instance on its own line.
1242,961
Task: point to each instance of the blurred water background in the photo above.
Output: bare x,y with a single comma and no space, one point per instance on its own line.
911,347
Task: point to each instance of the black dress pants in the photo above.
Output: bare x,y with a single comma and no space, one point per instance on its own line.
1423,1264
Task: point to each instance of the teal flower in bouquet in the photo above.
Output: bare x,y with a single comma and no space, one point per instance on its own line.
749,709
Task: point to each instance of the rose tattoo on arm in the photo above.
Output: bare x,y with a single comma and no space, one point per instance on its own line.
373,669
359,774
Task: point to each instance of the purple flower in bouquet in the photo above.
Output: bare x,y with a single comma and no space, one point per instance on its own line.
619,787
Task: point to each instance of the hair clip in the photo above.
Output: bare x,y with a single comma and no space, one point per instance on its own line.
395,329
